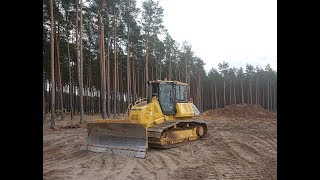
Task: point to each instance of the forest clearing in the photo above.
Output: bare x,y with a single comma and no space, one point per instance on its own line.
107,61
241,144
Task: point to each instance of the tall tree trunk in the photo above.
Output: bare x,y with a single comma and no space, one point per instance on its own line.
212,95
92,100
134,92
102,67
224,93
128,66
268,95
120,102
263,104
57,81
43,100
76,100
156,74
230,94
234,92
89,77
170,67
257,99
100,62
69,69
248,95
151,72
179,74
77,51
176,73
186,74
115,68
275,96
138,84
59,71
159,70
199,91
250,92
98,102
242,96
88,81
215,93
53,122
108,74
142,83
146,65
201,97
48,94
81,68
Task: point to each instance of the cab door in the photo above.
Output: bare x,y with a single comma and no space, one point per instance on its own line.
166,98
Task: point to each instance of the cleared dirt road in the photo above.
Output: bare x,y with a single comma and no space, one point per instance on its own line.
236,148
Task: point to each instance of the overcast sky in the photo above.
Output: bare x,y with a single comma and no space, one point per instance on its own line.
235,31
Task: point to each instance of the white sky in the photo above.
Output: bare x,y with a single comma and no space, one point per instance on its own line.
235,31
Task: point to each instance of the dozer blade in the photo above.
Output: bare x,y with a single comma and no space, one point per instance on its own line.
119,138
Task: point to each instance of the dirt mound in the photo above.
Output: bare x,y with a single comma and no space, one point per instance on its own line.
241,110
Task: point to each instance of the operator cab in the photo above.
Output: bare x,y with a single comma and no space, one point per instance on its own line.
168,93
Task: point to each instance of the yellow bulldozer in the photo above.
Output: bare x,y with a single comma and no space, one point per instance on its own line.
165,119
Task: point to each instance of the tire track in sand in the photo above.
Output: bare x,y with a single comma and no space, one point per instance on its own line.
130,164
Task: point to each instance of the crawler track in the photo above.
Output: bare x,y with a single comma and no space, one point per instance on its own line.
157,134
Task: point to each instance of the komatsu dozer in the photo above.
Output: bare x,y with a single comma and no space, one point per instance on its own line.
165,119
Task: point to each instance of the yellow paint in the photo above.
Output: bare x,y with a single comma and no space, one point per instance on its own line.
184,110
169,117
182,134
151,114
148,114
178,136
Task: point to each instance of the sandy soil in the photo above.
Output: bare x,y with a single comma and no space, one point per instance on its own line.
236,148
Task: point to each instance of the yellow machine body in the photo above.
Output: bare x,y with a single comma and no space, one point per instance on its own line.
147,123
